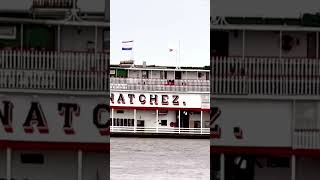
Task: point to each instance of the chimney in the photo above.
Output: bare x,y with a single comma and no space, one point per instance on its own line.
144,64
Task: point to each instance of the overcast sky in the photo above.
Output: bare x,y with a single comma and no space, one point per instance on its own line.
157,25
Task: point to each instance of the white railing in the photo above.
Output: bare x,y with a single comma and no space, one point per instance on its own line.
177,82
132,129
159,88
265,76
159,85
306,139
53,60
79,71
52,3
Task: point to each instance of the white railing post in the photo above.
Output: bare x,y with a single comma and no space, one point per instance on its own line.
112,113
222,170
201,119
9,163
293,167
135,120
179,119
157,120
293,138
79,164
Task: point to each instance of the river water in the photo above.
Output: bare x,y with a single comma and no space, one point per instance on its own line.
159,159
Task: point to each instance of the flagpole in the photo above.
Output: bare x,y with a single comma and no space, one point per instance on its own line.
132,50
176,59
179,55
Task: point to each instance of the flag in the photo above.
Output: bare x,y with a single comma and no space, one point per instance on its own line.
127,45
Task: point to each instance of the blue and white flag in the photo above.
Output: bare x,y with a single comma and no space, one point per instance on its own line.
127,45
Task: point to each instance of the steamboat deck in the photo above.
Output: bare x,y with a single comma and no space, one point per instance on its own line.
157,101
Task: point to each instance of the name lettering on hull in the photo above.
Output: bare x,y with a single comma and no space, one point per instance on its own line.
142,99
104,128
68,110
6,116
36,118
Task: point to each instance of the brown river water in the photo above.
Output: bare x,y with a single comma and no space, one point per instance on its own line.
159,159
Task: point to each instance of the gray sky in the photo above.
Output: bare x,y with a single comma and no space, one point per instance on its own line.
157,25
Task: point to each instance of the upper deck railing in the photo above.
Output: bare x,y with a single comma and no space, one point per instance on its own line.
44,70
160,130
265,76
306,139
52,4
159,85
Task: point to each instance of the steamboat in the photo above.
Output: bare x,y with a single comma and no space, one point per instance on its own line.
150,100
54,67
265,91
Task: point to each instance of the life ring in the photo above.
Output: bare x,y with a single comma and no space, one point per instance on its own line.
172,124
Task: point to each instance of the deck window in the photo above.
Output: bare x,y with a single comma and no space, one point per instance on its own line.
130,122
282,162
140,123
32,158
207,124
120,111
163,74
197,124
164,122
123,122
8,32
122,73
145,74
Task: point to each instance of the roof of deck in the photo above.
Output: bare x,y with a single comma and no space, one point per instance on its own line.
162,68
307,22
52,17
